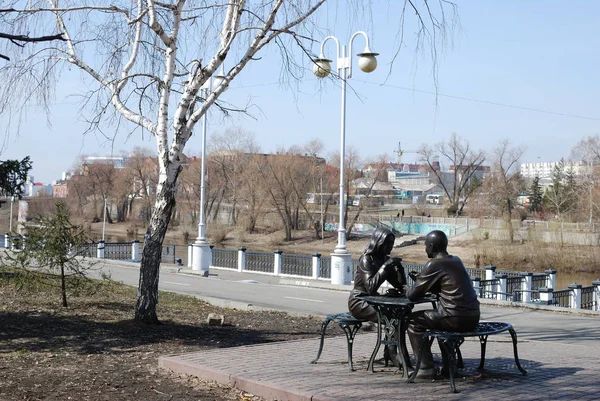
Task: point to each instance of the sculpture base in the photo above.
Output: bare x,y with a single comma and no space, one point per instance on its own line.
341,268
202,257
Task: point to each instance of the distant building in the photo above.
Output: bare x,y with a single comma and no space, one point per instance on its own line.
36,188
479,174
545,169
60,190
116,161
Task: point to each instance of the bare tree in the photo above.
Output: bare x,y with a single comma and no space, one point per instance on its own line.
11,32
189,194
465,165
101,178
228,160
308,179
507,182
251,193
376,176
141,168
587,150
148,60
286,182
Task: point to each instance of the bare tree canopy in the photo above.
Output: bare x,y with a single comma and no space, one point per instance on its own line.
462,161
506,180
587,150
10,28
147,63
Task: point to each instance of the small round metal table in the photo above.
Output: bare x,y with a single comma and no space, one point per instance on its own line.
392,314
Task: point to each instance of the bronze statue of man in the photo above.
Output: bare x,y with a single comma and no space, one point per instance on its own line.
457,308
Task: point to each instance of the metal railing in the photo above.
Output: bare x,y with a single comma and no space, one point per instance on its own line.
412,267
509,273
222,257
538,281
260,261
168,254
117,250
325,271
588,298
513,288
489,288
299,265
355,263
476,272
87,250
562,298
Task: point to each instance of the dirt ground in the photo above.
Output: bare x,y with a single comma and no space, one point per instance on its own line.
94,351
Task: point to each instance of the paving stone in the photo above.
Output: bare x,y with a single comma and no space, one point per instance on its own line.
283,371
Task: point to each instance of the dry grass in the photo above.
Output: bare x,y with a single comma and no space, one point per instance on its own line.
218,232
95,351
534,256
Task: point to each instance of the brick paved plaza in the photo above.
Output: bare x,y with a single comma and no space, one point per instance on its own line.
282,371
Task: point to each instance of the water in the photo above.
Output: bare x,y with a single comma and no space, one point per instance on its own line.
564,279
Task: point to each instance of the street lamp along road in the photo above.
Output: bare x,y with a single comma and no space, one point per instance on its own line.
341,259
202,254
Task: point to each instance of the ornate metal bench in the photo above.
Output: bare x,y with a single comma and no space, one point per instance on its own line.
451,341
349,324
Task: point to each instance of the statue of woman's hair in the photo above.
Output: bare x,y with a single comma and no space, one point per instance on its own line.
378,238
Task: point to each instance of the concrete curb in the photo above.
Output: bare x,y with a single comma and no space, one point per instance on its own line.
267,389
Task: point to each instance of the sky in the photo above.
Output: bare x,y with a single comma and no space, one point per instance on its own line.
525,71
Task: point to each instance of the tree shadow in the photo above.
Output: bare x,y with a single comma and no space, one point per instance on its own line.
561,333
502,371
42,331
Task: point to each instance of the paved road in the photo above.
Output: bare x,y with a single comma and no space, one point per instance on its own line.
264,291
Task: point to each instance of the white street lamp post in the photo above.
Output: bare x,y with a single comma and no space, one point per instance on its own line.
341,259
202,254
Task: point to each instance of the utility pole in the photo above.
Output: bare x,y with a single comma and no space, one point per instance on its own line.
591,206
591,172
104,219
322,221
12,200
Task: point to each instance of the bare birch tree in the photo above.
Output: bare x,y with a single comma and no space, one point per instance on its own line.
148,61
11,33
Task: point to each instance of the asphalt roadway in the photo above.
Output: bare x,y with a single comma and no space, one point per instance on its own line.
319,297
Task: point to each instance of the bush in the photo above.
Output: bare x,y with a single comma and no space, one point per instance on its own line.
218,232
132,230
